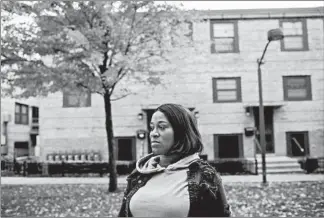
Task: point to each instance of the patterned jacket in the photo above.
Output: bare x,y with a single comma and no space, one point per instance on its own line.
206,192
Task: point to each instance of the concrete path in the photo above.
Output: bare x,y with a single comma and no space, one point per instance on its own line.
122,179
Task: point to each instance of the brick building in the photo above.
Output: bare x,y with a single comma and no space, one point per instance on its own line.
19,127
219,83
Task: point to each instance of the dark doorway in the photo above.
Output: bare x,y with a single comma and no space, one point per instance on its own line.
228,146
268,121
126,149
33,139
297,144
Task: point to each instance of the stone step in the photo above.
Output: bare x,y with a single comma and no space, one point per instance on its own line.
281,166
278,160
280,163
282,170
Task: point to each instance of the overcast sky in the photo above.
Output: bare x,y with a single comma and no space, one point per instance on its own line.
220,5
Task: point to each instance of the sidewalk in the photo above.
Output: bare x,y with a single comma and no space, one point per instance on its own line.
122,179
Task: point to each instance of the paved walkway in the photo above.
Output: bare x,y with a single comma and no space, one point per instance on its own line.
122,179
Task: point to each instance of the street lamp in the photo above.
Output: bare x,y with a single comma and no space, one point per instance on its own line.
273,35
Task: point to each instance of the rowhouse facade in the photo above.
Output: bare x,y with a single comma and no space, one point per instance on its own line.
217,80
19,127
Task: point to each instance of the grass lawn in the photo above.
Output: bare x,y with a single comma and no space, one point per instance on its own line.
303,199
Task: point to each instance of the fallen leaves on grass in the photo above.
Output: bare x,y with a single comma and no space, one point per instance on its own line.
302,199
60,201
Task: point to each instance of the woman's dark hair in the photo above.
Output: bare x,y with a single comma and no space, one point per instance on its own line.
187,138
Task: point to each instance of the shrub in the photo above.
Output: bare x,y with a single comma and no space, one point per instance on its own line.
125,167
312,164
234,166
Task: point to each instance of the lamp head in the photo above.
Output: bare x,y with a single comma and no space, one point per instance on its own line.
275,34
140,116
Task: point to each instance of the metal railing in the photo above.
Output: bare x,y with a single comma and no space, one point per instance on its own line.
257,143
298,145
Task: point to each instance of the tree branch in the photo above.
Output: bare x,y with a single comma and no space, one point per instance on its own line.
8,61
115,99
131,30
86,17
17,59
87,87
114,85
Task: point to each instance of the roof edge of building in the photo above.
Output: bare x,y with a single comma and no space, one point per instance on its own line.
262,13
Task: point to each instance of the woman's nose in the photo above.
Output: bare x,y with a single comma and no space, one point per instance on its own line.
154,134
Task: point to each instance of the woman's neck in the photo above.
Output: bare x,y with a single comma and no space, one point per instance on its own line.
166,160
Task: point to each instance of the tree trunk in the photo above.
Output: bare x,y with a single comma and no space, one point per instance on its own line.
111,145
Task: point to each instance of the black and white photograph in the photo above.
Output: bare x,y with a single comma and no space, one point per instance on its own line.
162,108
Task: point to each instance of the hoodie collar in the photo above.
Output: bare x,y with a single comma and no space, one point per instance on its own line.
150,164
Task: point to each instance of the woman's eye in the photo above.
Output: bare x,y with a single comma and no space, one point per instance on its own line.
151,128
162,127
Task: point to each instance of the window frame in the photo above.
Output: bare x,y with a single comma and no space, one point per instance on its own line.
304,34
68,93
190,28
238,89
308,88
289,148
235,37
19,115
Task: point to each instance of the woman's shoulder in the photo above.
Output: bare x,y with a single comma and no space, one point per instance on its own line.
208,172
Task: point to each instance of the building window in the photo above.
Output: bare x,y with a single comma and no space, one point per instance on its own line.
295,32
183,33
76,98
224,36
297,144
21,114
297,88
227,89
21,149
126,148
189,30
228,146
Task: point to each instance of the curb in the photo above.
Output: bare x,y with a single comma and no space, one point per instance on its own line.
122,180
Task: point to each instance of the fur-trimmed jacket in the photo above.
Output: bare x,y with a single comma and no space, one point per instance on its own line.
206,192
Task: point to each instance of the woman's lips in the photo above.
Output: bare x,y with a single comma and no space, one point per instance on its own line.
155,143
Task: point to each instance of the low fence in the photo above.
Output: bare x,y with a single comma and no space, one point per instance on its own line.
63,168
7,168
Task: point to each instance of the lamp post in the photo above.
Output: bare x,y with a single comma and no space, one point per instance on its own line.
273,35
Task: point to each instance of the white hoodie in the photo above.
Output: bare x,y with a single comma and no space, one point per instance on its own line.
166,193
150,164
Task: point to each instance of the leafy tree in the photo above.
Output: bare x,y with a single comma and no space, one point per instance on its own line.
90,45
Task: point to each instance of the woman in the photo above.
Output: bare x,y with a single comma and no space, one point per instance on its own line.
173,181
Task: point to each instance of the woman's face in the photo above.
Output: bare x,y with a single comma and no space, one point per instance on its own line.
161,134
